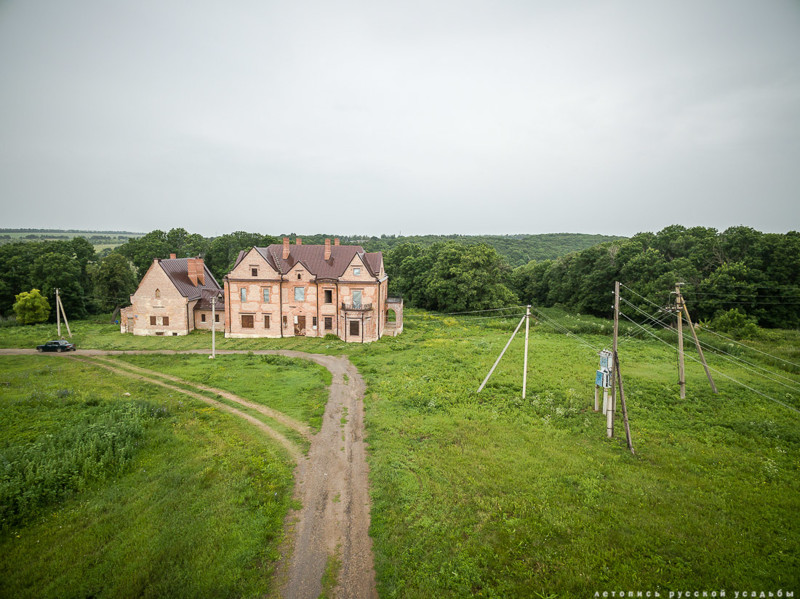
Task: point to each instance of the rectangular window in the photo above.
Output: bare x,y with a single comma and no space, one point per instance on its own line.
159,332
216,317
254,272
314,321
329,296
174,334
356,298
243,294
166,321
285,321
266,321
153,321
247,321
354,328
328,323
265,294
299,294
202,318
357,271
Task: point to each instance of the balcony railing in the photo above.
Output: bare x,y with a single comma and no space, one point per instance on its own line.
358,307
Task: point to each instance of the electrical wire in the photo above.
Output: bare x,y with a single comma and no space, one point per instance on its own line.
705,328
561,328
795,386
717,371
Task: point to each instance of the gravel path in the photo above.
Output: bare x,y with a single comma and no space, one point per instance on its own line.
331,482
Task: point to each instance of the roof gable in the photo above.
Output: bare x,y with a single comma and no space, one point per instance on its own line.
248,259
312,258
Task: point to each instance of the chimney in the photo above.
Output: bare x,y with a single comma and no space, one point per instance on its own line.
327,249
191,270
336,241
172,256
298,241
285,248
200,269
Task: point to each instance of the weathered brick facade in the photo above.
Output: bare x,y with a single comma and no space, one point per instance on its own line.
312,291
171,299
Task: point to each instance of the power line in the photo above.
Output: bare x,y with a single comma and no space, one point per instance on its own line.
705,328
564,329
739,361
717,371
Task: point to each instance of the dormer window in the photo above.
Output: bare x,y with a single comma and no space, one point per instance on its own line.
158,294
253,272
357,271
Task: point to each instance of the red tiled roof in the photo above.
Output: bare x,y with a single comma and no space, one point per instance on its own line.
312,258
178,272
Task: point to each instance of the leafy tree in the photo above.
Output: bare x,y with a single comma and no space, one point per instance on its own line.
51,271
222,251
449,276
31,307
114,281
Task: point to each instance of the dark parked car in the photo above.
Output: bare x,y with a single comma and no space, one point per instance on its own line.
60,345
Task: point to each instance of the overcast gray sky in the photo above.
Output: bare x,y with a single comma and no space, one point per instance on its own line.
417,117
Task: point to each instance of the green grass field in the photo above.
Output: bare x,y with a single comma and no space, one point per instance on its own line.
495,496
148,495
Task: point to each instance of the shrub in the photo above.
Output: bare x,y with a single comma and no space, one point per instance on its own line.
735,323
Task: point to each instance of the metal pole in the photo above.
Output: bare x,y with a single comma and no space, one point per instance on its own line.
213,327
681,370
612,404
483,384
58,315
64,314
525,367
699,349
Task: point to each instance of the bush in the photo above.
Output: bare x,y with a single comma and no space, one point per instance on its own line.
735,323
31,307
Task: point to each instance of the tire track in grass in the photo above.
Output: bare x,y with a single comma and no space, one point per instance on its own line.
285,420
293,450
332,482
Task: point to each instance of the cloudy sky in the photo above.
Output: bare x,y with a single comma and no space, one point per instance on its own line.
452,116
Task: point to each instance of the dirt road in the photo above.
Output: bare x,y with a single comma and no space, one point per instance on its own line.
331,482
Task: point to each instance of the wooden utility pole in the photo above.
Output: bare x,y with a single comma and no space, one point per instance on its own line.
613,404
681,370
64,314
58,316
622,401
213,326
697,344
483,384
525,368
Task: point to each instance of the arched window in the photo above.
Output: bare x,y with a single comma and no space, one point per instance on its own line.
158,293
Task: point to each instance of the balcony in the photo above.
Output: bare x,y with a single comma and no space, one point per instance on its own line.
357,307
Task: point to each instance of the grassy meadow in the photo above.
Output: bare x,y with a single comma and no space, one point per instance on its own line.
113,487
494,495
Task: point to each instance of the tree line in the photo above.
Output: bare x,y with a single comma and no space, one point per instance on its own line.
755,274
740,270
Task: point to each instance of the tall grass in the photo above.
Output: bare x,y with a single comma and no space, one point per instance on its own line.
97,443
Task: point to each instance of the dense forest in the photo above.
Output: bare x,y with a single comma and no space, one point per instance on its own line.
516,249
754,273
757,274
